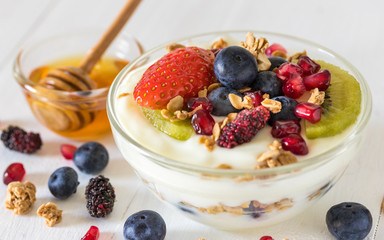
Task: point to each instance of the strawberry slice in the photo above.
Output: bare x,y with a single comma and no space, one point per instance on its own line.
183,72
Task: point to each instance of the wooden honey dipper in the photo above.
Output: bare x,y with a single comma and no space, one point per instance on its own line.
69,117
76,78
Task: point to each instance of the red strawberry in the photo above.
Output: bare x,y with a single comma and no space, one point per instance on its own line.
183,72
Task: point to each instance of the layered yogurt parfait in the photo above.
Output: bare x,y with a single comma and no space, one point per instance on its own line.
239,129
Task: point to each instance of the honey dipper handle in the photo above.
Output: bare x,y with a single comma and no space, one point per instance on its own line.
95,53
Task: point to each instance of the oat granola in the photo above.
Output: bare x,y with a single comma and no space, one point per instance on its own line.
20,197
51,213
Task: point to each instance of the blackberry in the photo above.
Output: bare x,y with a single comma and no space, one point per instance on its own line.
100,196
245,126
19,140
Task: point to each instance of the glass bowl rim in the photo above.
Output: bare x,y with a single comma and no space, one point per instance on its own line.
33,87
366,109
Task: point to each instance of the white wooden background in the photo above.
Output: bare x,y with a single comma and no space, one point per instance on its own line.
354,29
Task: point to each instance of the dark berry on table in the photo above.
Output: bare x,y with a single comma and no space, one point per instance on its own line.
220,101
266,238
244,127
294,86
92,234
349,221
287,69
273,48
202,122
144,225
19,140
282,129
63,182
276,62
204,102
91,157
268,82
287,111
295,144
100,196
320,80
235,67
308,111
14,172
256,96
308,65
67,151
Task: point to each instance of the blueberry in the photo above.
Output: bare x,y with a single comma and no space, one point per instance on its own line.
268,82
287,110
220,101
144,225
349,220
235,67
276,62
63,182
91,157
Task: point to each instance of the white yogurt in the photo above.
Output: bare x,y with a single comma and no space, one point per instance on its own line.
190,151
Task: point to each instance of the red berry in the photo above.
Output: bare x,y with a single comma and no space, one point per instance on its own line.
67,151
204,102
92,234
202,122
320,80
257,97
308,65
183,72
308,111
14,172
274,47
295,144
266,238
294,87
282,129
287,69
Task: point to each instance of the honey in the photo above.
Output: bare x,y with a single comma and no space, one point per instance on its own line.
77,115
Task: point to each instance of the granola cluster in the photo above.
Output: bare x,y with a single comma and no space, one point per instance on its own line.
51,213
20,197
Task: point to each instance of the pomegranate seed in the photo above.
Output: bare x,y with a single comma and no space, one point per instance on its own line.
201,101
287,69
308,65
257,97
92,234
14,172
320,80
266,238
202,122
294,87
273,48
282,129
308,111
67,151
295,144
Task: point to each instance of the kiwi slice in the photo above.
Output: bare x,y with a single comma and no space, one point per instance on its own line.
180,130
341,106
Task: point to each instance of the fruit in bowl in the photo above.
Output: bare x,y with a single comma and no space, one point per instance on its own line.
244,146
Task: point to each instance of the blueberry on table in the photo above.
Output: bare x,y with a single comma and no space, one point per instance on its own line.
220,101
268,82
349,221
63,182
145,225
91,157
235,67
287,110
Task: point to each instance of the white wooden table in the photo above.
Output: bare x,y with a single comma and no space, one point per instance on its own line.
354,29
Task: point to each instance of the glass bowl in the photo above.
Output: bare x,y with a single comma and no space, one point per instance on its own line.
233,199
82,114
